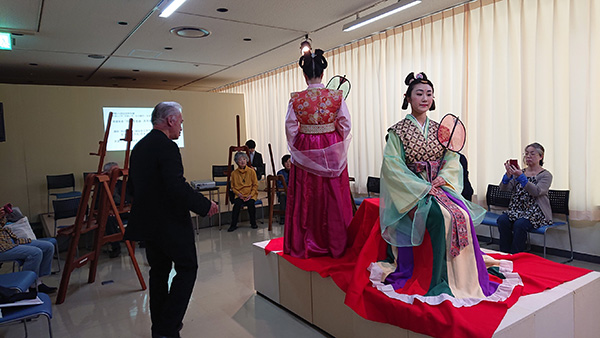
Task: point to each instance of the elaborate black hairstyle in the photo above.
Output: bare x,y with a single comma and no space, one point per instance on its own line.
313,64
411,81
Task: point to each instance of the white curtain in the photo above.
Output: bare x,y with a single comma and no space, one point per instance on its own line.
515,71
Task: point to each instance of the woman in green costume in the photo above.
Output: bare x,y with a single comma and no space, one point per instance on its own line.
434,252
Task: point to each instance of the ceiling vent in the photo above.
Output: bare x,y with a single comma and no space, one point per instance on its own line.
190,32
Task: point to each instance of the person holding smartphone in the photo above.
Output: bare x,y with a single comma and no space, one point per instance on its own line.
529,206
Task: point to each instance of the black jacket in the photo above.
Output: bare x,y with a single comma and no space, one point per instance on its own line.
161,197
258,164
467,192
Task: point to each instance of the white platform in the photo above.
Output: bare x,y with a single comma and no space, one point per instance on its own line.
568,310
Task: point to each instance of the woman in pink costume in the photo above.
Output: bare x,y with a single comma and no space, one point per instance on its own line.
319,207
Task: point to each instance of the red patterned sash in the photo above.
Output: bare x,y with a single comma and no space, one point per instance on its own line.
459,238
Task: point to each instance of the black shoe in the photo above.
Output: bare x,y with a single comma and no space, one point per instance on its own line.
254,226
281,221
232,228
46,289
157,335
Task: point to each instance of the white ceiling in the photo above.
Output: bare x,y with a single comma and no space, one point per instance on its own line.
55,38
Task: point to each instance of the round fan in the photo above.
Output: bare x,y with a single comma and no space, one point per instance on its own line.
452,133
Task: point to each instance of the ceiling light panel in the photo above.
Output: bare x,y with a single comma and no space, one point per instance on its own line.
224,36
91,28
268,12
21,15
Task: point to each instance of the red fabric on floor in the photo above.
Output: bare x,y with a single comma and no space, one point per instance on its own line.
365,245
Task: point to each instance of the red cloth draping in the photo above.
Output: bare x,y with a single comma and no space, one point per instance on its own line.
365,245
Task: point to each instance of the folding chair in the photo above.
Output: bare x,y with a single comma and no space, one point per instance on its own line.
497,198
65,208
20,280
24,313
61,182
559,202
258,202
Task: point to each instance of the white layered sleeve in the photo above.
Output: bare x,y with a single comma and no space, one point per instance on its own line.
343,124
291,124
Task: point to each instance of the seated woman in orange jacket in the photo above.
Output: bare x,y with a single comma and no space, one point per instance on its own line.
244,187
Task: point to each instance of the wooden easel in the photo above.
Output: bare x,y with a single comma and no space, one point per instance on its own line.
95,206
272,189
232,151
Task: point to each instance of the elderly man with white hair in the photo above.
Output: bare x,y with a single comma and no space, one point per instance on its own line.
160,217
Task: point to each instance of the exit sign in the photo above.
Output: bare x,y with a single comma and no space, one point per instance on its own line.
5,41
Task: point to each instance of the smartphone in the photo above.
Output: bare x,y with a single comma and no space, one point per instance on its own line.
7,208
514,163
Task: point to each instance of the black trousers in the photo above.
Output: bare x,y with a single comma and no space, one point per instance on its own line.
238,203
168,306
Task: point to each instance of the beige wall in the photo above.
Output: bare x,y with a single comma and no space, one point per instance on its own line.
52,129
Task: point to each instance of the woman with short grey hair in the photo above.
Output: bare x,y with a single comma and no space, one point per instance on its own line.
529,206
244,190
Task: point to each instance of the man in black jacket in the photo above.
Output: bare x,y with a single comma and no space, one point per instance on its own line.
256,159
160,217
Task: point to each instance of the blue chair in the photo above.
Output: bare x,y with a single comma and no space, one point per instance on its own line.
61,182
23,313
559,202
20,280
257,203
495,197
372,187
221,171
56,253
64,208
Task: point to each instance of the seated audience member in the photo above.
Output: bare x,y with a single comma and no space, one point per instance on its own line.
256,160
244,190
529,205
281,195
36,255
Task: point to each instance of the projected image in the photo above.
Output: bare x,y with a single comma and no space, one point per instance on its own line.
120,123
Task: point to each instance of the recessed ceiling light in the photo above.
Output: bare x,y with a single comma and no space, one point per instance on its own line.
247,39
96,56
33,64
122,78
168,48
123,23
222,10
190,32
